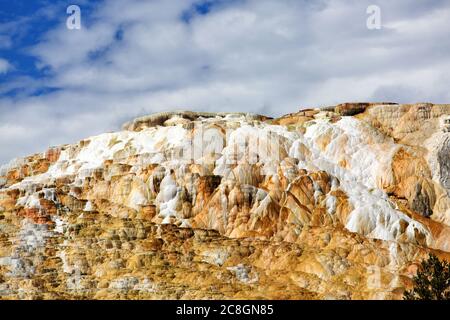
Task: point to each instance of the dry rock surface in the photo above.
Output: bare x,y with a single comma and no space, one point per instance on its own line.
330,203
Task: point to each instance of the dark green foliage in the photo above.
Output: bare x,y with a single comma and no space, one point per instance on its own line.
432,281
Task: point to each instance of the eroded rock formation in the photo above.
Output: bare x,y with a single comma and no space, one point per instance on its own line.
334,203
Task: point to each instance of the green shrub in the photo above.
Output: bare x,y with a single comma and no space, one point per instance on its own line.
432,281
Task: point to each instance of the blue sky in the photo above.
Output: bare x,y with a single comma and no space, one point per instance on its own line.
24,24
136,57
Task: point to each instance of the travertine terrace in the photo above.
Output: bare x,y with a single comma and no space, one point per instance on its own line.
329,203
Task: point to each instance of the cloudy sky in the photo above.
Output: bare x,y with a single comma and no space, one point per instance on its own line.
134,57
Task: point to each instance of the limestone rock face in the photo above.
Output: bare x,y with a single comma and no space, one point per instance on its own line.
334,203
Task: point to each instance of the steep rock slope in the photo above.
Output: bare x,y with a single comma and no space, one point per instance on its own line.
333,203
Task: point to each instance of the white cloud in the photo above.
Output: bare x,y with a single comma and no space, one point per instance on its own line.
264,56
4,66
